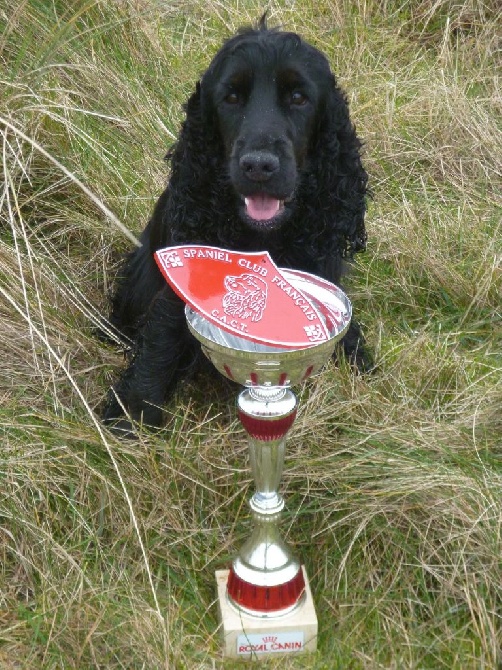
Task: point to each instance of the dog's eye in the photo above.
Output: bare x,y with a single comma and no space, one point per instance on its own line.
233,98
298,98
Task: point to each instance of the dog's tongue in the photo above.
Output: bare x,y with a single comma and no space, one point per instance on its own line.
262,207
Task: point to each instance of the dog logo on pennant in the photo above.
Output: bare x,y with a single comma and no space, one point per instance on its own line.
246,296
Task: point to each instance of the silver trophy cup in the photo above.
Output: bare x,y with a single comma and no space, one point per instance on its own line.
266,579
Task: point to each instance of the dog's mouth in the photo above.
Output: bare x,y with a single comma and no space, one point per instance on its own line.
263,207
265,211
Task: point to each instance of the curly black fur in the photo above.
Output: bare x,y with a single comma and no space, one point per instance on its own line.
267,119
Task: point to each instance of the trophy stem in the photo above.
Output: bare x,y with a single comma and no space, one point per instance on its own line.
265,578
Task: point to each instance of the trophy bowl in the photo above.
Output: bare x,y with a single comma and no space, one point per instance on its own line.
254,364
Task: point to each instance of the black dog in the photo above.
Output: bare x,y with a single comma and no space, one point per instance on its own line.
267,159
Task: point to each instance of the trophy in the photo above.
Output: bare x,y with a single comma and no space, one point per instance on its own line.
266,606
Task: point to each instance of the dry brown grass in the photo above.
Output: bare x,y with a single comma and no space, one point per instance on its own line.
392,482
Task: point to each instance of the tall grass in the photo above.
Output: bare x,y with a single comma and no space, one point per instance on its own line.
392,482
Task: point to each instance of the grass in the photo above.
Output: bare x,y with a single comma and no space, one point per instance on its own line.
392,483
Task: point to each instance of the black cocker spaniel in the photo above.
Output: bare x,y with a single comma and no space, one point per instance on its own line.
267,159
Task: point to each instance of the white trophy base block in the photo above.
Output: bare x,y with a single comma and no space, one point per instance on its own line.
253,637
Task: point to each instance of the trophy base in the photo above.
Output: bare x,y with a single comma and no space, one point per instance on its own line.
254,637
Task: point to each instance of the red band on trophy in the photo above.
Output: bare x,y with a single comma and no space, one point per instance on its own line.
246,294
266,429
266,599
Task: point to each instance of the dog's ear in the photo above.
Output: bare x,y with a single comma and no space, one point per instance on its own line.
198,145
339,171
201,128
194,161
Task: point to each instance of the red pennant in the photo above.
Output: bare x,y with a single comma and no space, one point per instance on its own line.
246,294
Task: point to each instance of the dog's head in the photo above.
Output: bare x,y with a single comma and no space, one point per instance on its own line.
265,91
267,141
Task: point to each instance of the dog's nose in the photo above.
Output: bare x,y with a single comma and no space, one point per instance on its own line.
259,165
